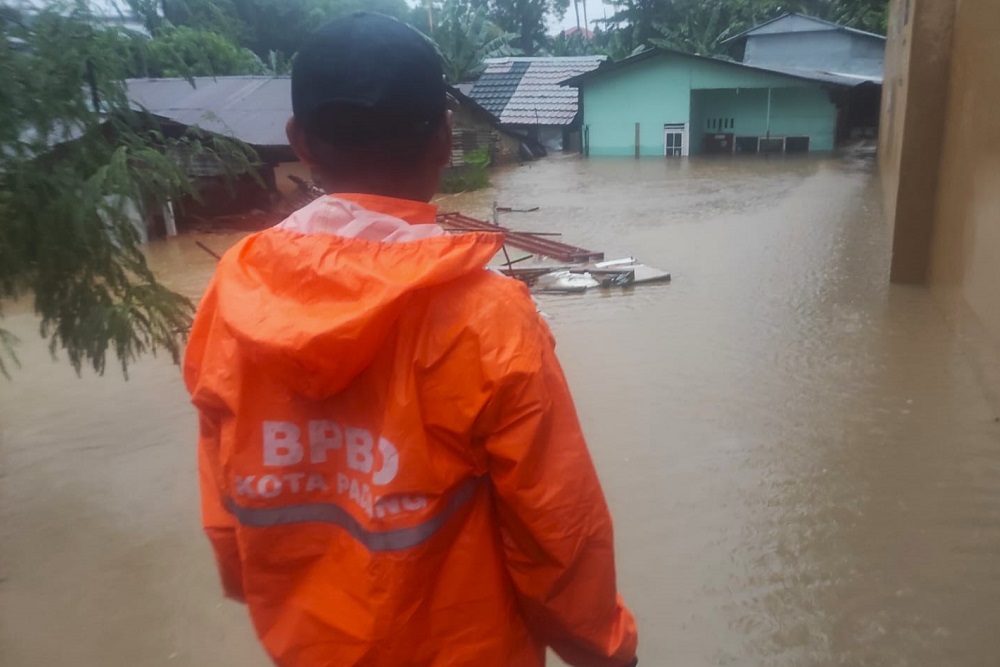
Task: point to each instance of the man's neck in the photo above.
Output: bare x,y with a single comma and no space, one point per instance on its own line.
393,190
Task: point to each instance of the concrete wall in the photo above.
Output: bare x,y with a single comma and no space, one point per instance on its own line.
794,112
965,245
648,93
914,104
940,158
830,50
658,91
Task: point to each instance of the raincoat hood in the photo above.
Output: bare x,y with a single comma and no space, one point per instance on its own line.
312,300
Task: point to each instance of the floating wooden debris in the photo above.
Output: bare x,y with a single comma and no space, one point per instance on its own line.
528,241
508,209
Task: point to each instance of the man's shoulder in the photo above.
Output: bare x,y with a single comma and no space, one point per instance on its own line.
489,295
486,316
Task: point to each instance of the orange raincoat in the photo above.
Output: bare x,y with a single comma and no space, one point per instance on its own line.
392,469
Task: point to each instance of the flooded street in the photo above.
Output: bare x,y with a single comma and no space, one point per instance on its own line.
802,461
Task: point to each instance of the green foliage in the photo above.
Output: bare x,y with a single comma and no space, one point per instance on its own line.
700,26
473,175
525,19
266,26
615,44
218,16
870,15
75,162
465,37
574,45
188,52
464,179
634,20
480,157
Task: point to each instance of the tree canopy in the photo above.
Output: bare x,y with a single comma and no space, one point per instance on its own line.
701,26
466,37
76,163
180,51
270,26
527,20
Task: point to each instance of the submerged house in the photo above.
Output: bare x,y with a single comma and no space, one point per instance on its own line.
250,109
254,110
476,129
526,95
788,95
799,44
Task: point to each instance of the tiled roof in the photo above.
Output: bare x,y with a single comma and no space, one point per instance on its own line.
497,85
526,91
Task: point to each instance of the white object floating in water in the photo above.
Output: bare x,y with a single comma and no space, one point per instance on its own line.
565,281
647,274
626,261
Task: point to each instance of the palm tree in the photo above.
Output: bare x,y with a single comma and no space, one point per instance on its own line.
465,37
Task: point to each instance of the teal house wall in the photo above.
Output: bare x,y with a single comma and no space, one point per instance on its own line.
668,88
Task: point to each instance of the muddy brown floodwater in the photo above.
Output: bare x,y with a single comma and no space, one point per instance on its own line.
802,461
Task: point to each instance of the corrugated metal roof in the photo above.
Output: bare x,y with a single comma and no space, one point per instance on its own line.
822,76
773,26
526,91
251,109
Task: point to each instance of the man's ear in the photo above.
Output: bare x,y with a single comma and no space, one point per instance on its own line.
442,140
297,140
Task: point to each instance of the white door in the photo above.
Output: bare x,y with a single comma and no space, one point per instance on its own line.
675,140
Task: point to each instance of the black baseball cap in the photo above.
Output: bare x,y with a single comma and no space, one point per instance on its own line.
364,74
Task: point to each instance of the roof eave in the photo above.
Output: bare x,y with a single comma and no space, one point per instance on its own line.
833,26
578,81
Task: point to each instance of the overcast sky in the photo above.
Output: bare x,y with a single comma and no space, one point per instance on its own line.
595,10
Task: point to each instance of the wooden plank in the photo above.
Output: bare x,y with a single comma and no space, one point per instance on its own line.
533,243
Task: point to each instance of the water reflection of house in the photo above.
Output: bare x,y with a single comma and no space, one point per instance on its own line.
524,93
254,110
803,85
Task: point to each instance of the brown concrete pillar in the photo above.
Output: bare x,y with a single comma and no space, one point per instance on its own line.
915,100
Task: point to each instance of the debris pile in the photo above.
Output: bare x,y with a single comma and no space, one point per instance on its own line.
578,271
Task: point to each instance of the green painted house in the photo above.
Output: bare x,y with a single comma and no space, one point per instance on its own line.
669,103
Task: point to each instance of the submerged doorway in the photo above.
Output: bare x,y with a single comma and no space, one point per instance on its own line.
675,140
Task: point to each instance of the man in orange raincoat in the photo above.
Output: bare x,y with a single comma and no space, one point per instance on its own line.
392,470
